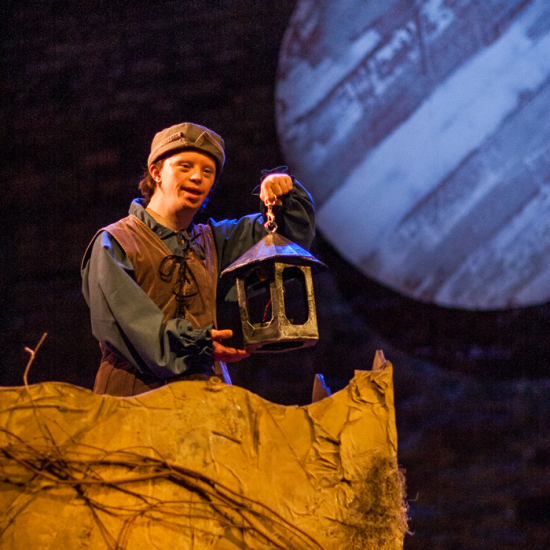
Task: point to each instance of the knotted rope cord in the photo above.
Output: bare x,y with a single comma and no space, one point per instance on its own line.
185,275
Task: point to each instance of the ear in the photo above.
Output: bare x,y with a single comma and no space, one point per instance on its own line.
155,173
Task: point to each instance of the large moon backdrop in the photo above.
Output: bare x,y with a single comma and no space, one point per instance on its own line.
422,129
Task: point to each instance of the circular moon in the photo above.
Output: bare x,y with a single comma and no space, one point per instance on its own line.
422,130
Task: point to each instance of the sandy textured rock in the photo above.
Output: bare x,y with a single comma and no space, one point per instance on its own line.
199,465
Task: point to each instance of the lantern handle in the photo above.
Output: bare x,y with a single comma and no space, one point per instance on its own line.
270,225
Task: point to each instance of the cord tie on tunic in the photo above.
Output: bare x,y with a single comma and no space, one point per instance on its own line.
185,275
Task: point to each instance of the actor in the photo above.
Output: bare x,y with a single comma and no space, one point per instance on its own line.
150,279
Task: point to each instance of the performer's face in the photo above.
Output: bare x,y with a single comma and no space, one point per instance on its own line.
185,180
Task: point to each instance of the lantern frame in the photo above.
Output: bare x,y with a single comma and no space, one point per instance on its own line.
275,254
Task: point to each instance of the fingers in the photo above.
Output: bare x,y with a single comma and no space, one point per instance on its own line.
224,353
229,355
221,334
275,185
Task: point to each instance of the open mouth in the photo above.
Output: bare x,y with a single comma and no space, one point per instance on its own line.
192,191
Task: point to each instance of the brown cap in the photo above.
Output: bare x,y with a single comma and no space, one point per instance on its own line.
187,134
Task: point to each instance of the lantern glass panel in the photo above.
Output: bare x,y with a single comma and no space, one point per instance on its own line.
258,297
296,303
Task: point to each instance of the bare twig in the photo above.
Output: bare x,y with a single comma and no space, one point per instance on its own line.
60,466
33,355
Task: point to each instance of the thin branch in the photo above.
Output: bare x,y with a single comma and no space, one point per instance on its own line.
33,355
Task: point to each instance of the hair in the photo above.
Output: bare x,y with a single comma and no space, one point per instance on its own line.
148,185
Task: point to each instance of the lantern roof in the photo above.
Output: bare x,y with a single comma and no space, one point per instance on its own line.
274,248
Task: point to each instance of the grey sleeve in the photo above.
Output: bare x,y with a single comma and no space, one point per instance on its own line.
125,319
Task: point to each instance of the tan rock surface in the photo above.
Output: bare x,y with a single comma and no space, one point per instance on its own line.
199,465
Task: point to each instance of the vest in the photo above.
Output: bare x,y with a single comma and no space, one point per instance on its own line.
148,254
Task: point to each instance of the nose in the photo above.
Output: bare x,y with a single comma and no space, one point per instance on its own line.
196,175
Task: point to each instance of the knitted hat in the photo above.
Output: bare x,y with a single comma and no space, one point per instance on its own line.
187,134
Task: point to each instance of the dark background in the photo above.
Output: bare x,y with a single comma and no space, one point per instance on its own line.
85,87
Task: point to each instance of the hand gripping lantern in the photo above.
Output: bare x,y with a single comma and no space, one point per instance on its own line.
275,293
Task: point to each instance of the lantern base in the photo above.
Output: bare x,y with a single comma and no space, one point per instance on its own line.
279,346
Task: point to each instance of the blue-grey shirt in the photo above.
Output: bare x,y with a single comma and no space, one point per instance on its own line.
127,321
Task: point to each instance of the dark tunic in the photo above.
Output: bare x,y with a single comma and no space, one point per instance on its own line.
147,253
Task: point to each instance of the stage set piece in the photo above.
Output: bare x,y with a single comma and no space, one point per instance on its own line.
200,465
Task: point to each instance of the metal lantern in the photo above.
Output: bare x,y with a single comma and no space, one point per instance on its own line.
275,293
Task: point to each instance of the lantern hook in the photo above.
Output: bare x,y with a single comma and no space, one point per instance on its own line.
270,225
